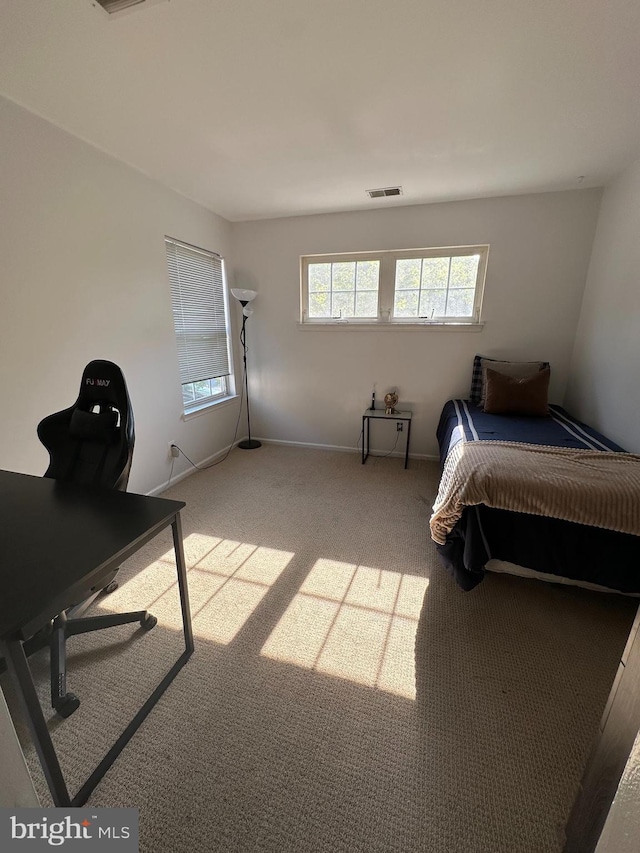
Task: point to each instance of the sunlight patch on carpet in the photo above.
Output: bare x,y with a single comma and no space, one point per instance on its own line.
353,622
227,580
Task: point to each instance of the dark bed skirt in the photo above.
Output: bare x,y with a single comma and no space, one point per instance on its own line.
547,545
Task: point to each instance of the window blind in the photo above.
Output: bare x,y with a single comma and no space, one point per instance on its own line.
198,303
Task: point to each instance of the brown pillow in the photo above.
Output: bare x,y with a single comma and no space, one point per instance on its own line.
517,369
508,395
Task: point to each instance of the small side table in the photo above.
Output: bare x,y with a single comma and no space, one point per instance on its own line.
380,414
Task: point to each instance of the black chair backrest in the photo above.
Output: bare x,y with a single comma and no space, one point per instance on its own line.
92,441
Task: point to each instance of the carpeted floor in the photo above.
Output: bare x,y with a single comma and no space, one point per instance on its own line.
344,694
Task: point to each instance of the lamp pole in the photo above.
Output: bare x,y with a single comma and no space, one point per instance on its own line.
244,297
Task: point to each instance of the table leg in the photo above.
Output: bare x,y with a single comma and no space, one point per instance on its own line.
21,674
18,667
176,527
406,452
84,792
365,423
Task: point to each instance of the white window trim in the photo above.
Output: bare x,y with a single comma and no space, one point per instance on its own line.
203,408
207,402
386,291
368,326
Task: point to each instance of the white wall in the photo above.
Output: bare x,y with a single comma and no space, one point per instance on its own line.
312,386
83,277
603,388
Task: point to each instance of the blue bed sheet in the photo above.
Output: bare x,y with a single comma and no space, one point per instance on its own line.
461,419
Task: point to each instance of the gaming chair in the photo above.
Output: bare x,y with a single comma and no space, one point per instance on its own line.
90,443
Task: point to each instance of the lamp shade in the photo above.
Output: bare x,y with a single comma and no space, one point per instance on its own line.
243,295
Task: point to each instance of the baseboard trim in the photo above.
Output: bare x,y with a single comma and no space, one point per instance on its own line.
304,444
341,449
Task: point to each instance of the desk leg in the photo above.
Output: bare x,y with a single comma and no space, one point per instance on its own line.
21,674
84,792
406,452
19,669
365,438
176,527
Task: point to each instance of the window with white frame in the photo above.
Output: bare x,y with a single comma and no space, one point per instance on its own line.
415,286
201,322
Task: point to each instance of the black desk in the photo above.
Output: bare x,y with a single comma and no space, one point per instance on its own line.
56,540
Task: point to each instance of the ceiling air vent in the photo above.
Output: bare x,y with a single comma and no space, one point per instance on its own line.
112,7
384,192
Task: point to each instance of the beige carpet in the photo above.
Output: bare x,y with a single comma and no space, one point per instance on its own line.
344,695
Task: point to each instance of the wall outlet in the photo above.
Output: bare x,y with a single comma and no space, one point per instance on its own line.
173,449
399,426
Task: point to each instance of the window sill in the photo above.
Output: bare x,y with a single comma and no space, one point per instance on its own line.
391,327
196,411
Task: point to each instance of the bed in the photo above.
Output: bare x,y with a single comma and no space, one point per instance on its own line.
546,496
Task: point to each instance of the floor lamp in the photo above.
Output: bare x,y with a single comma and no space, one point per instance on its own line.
244,297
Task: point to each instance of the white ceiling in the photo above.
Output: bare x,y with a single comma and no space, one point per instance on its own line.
260,108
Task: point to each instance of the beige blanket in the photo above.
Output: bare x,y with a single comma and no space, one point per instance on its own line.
597,488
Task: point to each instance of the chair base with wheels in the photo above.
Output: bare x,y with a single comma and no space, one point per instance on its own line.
61,628
68,624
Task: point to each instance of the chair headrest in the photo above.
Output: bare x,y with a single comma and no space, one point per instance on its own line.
103,382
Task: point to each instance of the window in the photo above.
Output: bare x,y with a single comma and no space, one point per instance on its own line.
201,321
343,289
415,286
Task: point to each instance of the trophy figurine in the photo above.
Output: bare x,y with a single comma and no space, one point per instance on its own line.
390,403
